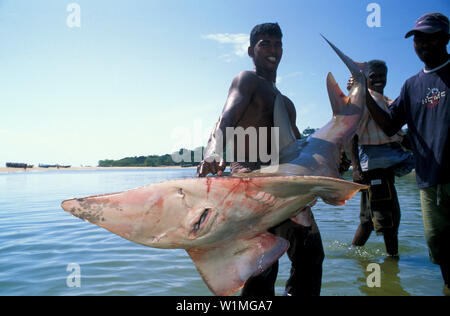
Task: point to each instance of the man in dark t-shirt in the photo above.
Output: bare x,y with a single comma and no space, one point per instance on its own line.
424,105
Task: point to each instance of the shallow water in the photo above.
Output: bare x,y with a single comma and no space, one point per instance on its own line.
39,241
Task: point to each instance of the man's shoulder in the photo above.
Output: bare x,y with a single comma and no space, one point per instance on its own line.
287,100
411,83
247,80
422,75
246,76
413,79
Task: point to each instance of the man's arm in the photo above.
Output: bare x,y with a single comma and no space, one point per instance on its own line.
381,117
354,157
239,97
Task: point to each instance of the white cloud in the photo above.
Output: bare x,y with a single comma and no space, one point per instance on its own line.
240,42
228,58
290,75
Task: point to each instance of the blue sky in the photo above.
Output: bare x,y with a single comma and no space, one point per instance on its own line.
147,77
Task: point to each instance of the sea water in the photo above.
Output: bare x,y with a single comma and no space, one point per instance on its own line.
46,251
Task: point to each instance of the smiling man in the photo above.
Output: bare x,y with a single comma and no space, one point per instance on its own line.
377,159
250,105
424,105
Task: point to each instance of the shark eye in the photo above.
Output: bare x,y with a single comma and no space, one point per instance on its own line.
201,220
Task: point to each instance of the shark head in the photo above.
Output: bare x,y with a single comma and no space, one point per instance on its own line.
173,214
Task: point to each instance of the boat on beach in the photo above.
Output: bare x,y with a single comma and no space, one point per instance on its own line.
41,165
53,166
18,165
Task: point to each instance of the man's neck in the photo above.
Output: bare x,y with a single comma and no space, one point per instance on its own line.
267,75
442,59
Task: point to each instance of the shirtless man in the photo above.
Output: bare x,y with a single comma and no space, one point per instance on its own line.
250,103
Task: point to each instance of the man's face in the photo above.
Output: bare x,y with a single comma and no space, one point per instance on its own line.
428,47
267,52
376,78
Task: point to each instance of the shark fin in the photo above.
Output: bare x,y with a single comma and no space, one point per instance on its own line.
356,69
226,268
333,191
338,99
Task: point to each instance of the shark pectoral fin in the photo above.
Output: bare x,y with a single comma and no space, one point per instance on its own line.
336,191
226,268
331,190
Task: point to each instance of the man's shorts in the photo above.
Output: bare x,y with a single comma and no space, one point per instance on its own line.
379,204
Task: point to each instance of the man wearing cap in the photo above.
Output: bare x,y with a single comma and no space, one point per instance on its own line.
424,104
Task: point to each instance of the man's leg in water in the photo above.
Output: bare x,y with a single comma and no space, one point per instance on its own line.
262,285
306,254
366,226
391,241
391,234
435,202
386,213
362,234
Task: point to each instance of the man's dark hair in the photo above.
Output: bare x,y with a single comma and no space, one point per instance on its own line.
264,29
376,64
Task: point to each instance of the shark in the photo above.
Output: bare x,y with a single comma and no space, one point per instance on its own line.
222,222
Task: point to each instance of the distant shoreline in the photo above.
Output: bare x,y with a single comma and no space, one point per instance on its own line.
4,169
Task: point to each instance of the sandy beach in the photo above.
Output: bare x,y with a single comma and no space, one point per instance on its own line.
4,169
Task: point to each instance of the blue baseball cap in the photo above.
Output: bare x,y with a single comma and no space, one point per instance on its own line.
430,23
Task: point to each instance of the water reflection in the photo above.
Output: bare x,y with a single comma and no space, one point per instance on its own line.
390,284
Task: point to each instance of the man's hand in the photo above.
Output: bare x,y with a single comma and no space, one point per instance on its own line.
344,164
212,164
350,83
358,176
406,142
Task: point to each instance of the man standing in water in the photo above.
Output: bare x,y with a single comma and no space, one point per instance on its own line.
424,104
250,104
376,162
